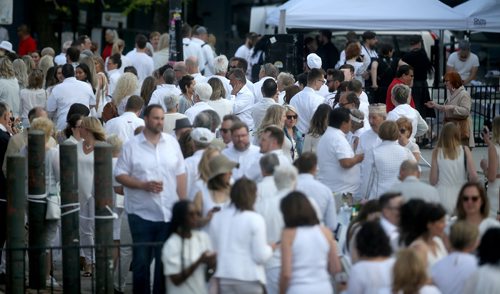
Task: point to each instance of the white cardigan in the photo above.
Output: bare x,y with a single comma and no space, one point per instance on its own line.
239,238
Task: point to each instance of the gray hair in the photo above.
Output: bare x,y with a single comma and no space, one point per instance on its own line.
115,142
169,76
220,64
285,177
171,101
270,70
268,163
208,119
164,41
203,90
401,93
286,79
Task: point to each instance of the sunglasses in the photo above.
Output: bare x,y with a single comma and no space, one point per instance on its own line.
224,130
291,116
473,198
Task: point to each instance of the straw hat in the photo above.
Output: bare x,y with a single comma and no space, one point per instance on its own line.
220,165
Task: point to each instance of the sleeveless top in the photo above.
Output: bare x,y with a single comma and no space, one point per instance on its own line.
208,202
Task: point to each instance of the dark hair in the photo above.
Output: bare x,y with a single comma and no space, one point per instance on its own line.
186,30
68,71
238,125
385,198
184,82
147,89
338,116
434,212
403,70
134,103
35,79
291,91
326,33
298,211
51,76
355,86
241,63
71,123
336,74
130,69
413,221
243,194
488,252
372,241
238,75
371,206
73,54
186,144
319,121
347,66
179,215
485,206
301,79
385,49
315,74
150,107
218,182
269,88
78,108
33,112
232,117
140,41
352,98
116,59
276,133
306,162
86,70
368,35
3,108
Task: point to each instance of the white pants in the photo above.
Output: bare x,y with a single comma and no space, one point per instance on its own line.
122,269
87,212
230,286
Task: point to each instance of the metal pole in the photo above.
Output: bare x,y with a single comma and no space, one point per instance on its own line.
36,209
70,219
103,184
16,191
282,22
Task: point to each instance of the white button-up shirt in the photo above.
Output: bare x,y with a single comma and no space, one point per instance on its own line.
162,91
418,124
333,147
321,194
194,110
144,161
259,110
69,92
257,89
113,75
143,63
306,102
241,157
243,104
192,173
123,126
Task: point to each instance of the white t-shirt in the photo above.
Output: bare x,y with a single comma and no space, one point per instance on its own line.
142,62
306,102
178,254
463,67
123,126
370,276
450,273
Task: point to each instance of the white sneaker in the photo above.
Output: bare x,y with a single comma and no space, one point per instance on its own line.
51,282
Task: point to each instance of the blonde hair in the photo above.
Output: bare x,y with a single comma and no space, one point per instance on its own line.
218,90
116,143
6,69
45,63
449,141
118,46
463,235
409,272
94,126
89,61
495,129
126,86
43,124
30,63
20,71
272,117
203,166
164,42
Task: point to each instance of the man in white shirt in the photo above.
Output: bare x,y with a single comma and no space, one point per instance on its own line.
152,170
142,62
164,90
67,93
370,139
241,63
314,61
267,164
333,79
61,58
172,115
307,165
192,69
401,96
200,36
190,48
269,93
245,50
356,87
244,98
411,187
202,138
464,62
369,53
241,151
389,220
338,165
267,71
113,66
125,125
220,69
225,128
202,93
307,100
285,178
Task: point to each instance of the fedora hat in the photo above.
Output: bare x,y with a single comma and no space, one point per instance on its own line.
182,123
6,45
220,164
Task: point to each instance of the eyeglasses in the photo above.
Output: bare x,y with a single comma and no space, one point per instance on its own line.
322,81
402,131
291,116
473,198
224,130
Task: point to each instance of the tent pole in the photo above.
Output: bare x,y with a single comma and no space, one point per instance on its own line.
281,26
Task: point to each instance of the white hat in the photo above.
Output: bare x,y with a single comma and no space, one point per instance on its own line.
6,45
313,61
202,135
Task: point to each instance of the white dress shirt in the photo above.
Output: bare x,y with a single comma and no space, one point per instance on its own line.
162,91
257,89
322,196
123,126
194,110
413,188
243,104
64,95
306,102
192,47
144,161
418,124
241,157
192,173
450,273
265,187
333,147
221,106
198,78
207,64
143,63
259,110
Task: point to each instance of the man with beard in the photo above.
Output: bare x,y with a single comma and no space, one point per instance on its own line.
152,170
327,51
242,150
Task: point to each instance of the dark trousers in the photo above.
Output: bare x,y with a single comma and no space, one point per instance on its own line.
147,231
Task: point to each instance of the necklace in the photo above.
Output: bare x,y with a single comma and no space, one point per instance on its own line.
87,146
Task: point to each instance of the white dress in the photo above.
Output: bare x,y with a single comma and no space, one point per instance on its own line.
370,276
208,201
309,267
451,178
493,188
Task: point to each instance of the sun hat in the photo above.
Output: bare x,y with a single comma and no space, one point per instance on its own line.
6,45
220,164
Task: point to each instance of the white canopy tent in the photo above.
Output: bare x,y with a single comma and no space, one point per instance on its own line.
373,15
482,15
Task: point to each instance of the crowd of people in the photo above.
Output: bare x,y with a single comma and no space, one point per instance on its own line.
279,183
